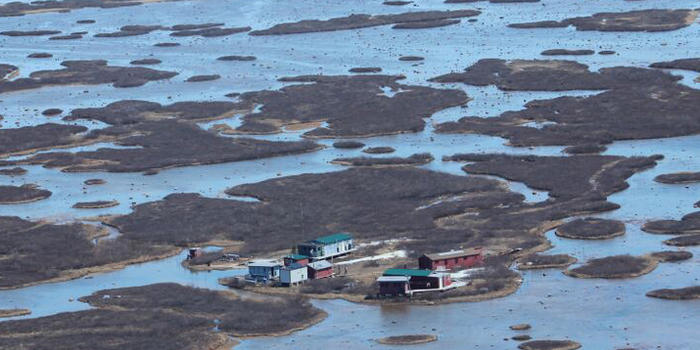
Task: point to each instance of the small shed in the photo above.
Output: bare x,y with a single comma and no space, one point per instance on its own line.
452,259
293,274
264,270
394,285
422,278
296,259
327,247
320,269
194,252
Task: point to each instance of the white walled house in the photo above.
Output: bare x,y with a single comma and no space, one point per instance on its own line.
293,274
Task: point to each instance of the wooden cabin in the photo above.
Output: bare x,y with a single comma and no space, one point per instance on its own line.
464,258
320,269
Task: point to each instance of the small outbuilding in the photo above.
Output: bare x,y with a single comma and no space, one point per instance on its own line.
194,252
320,269
327,247
394,285
293,274
264,270
453,259
296,259
421,279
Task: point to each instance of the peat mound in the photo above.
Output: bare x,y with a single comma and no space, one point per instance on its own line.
684,241
379,150
618,266
351,106
22,194
86,73
692,64
50,112
566,52
653,20
237,58
549,345
157,137
414,159
563,177
40,55
672,255
688,224
348,144
687,293
17,8
541,261
167,316
411,339
520,327
553,75
34,138
591,228
95,204
205,77
356,21
365,70
16,171
678,178
146,61
92,182
627,110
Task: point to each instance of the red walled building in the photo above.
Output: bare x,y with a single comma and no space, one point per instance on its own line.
290,259
452,259
320,269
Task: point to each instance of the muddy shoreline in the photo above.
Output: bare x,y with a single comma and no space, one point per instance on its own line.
14,312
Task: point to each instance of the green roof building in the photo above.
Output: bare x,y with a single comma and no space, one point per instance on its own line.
408,272
334,238
327,247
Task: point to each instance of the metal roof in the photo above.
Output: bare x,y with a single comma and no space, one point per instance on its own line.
454,254
320,265
393,279
264,263
297,256
294,266
334,238
407,272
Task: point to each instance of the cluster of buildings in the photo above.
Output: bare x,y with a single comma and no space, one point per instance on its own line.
311,261
432,274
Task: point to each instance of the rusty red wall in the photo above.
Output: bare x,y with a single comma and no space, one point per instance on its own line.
321,273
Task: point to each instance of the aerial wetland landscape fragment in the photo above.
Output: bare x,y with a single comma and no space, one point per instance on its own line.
425,174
